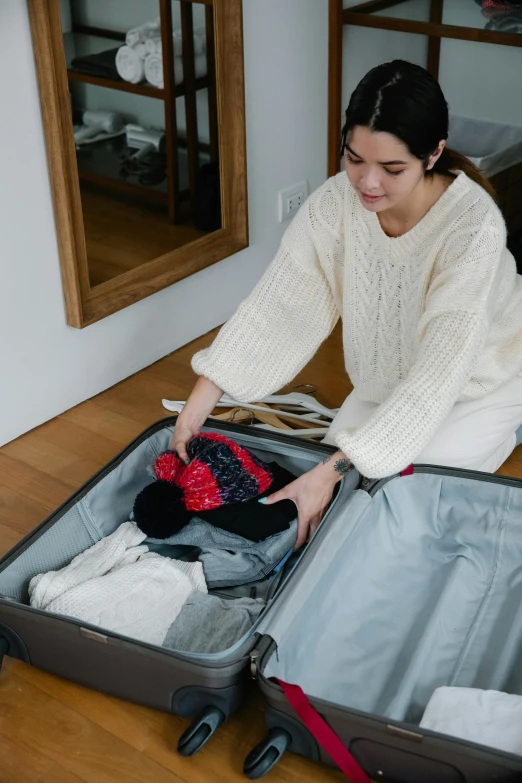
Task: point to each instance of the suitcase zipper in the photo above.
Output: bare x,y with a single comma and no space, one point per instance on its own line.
254,655
266,643
372,486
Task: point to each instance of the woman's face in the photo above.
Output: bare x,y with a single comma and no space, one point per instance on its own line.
381,168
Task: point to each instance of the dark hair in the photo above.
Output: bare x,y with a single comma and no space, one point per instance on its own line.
405,100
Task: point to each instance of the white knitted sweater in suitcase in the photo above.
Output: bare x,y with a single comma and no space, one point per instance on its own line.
429,318
121,586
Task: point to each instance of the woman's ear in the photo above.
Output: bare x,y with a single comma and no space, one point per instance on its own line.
436,155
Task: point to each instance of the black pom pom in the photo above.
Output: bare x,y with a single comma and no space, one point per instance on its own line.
159,510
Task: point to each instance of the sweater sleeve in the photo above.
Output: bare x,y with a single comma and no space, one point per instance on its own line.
278,328
451,335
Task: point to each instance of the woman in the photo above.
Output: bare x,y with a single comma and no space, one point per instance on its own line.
410,249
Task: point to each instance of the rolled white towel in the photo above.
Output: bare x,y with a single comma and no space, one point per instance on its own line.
130,63
140,34
489,718
154,45
154,69
200,41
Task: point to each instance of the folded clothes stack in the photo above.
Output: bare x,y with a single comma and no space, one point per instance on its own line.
121,584
141,58
157,589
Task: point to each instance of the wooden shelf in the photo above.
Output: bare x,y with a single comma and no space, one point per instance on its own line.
138,89
367,15
113,84
98,32
122,186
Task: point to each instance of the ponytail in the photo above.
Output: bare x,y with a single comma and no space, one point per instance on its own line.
451,161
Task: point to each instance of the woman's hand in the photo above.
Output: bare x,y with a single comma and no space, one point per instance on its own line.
182,435
201,402
312,493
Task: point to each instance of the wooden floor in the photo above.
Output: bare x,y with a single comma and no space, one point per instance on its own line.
52,731
122,235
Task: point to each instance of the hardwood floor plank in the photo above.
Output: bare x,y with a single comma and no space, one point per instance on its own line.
53,460
155,734
101,421
58,774
66,738
25,480
9,538
76,439
19,513
143,405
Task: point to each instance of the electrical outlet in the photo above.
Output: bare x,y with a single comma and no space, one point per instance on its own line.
291,199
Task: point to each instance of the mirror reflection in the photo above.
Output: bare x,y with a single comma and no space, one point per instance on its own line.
143,106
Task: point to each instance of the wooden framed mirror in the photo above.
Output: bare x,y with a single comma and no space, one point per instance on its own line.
144,119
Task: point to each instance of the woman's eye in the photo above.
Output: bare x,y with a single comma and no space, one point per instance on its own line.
352,161
394,173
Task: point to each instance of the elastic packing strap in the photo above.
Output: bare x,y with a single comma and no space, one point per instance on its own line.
325,736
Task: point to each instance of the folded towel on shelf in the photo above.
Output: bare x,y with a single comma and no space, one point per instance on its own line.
140,34
489,718
154,69
121,586
130,63
154,44
208,624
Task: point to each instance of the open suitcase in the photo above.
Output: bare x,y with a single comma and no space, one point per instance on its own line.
409,583
205,688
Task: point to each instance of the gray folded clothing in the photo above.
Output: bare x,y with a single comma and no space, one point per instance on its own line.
212,624
229,559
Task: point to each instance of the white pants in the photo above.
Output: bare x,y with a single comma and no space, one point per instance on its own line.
477,434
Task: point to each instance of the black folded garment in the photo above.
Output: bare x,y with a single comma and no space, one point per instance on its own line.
252,519
102,64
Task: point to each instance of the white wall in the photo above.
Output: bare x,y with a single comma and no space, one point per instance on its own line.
47,366
479,80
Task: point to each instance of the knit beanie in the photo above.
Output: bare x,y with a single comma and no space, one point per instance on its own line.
220,472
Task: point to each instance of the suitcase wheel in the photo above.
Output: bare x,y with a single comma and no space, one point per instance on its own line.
266,755
200,731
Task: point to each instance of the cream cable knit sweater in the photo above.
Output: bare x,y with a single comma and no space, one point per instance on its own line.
118,584
429,318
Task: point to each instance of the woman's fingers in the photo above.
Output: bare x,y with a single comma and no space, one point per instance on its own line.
181,450
314,524
281,494
302,532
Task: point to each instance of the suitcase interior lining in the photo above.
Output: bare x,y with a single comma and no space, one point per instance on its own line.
417,587
109,503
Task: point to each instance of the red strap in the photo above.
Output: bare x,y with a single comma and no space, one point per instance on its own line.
322,732
407,471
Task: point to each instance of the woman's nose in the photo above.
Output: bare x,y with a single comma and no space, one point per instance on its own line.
370,180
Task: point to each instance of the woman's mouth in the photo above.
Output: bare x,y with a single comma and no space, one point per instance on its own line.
370,199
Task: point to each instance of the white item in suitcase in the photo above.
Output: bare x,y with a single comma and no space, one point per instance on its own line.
490,718
119,585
